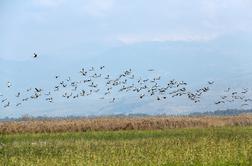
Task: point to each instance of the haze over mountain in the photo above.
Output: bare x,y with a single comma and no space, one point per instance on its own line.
194,45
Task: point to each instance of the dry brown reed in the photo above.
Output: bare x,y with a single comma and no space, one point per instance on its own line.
121,123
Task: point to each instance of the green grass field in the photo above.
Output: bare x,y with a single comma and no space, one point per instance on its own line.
209,146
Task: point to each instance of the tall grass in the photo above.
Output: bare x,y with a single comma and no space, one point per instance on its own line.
114,124
188,146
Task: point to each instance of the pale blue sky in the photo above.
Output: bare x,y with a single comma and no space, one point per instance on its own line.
194,40
56,26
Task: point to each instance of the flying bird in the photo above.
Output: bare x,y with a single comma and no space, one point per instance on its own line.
210,82
9,84
7,105
18,94
18,104
35,55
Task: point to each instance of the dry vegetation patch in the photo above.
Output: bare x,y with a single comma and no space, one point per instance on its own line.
121,123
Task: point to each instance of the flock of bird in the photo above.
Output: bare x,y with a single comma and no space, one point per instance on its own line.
93,81
232,96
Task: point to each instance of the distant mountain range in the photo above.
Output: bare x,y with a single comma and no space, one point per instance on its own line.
227,112
225,60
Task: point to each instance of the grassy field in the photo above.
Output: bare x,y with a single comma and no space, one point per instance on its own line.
185,146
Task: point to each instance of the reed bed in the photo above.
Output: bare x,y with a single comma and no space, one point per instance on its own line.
121,123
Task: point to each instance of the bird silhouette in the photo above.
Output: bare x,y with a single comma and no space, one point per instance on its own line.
9,84
35,55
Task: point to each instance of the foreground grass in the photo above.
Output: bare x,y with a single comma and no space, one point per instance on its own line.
209,146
